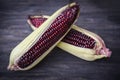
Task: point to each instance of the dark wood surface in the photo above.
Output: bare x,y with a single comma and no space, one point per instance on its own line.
99,16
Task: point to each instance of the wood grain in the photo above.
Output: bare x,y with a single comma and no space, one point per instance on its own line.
99,16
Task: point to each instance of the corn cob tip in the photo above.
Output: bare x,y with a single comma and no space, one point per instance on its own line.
106,52
12,67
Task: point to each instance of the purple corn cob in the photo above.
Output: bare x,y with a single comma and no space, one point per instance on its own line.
56,30
78,37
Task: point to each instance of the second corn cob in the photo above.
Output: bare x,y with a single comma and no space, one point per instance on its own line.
79,42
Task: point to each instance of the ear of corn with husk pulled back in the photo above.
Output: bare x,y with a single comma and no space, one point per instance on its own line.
90,53
41,41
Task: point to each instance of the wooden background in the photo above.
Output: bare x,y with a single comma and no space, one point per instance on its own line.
99,16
